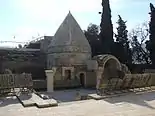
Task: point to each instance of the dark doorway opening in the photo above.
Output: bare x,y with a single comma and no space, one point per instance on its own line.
68,74
82,79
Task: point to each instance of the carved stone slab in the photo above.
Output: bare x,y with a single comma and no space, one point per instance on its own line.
35,100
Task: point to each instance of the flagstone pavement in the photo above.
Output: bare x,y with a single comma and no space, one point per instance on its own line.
128,105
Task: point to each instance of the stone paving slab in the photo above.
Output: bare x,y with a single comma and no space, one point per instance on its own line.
99,97
119,93
35,100
129,105
68,95
109,95
26,100
9,102
40,103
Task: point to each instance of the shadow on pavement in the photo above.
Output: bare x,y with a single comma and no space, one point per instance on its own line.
8,100
68,95
133,98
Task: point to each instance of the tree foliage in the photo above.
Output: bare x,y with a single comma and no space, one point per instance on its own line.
139,36
106,28
19,46
151,43
92,35
122,43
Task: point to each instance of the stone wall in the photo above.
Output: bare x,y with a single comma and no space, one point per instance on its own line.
45,43
66,84
60,80
15,81
39,84
153,79
67,59
90,79
36,69
58,74
23,60
152,72
131,81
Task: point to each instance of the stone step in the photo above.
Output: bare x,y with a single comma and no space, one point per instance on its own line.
104,96
120,93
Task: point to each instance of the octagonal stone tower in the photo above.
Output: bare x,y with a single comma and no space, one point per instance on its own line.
69,45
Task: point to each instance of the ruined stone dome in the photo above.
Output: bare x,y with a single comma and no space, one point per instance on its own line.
69,45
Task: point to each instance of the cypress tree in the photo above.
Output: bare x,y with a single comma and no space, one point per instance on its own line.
106,28
151,43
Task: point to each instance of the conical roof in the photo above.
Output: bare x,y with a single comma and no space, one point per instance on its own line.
69,37
69,45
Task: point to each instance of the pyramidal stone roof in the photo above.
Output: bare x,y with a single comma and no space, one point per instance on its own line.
69,38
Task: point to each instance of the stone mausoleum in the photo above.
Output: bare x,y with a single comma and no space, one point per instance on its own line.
66,58
69,59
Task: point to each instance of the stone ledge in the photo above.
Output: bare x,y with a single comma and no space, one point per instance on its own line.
137,91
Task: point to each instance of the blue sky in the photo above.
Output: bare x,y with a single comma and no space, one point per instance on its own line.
25,19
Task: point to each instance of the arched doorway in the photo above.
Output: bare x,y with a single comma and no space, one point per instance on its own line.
110,65
82,79
111,68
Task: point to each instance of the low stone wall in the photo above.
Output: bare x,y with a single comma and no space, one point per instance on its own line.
15,81
142,78
90,80
152,72
67,83
39,84
130,81
42,84
152,79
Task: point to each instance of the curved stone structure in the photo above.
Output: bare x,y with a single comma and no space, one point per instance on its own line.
103,59
7,71
108,66
125,69
70,52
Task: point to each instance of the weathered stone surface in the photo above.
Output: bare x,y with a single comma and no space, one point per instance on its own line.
103,59
69,45
99,97
45,43
35,100
40,103
129,105
50,81
69,38
11,81
26,100
92,65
